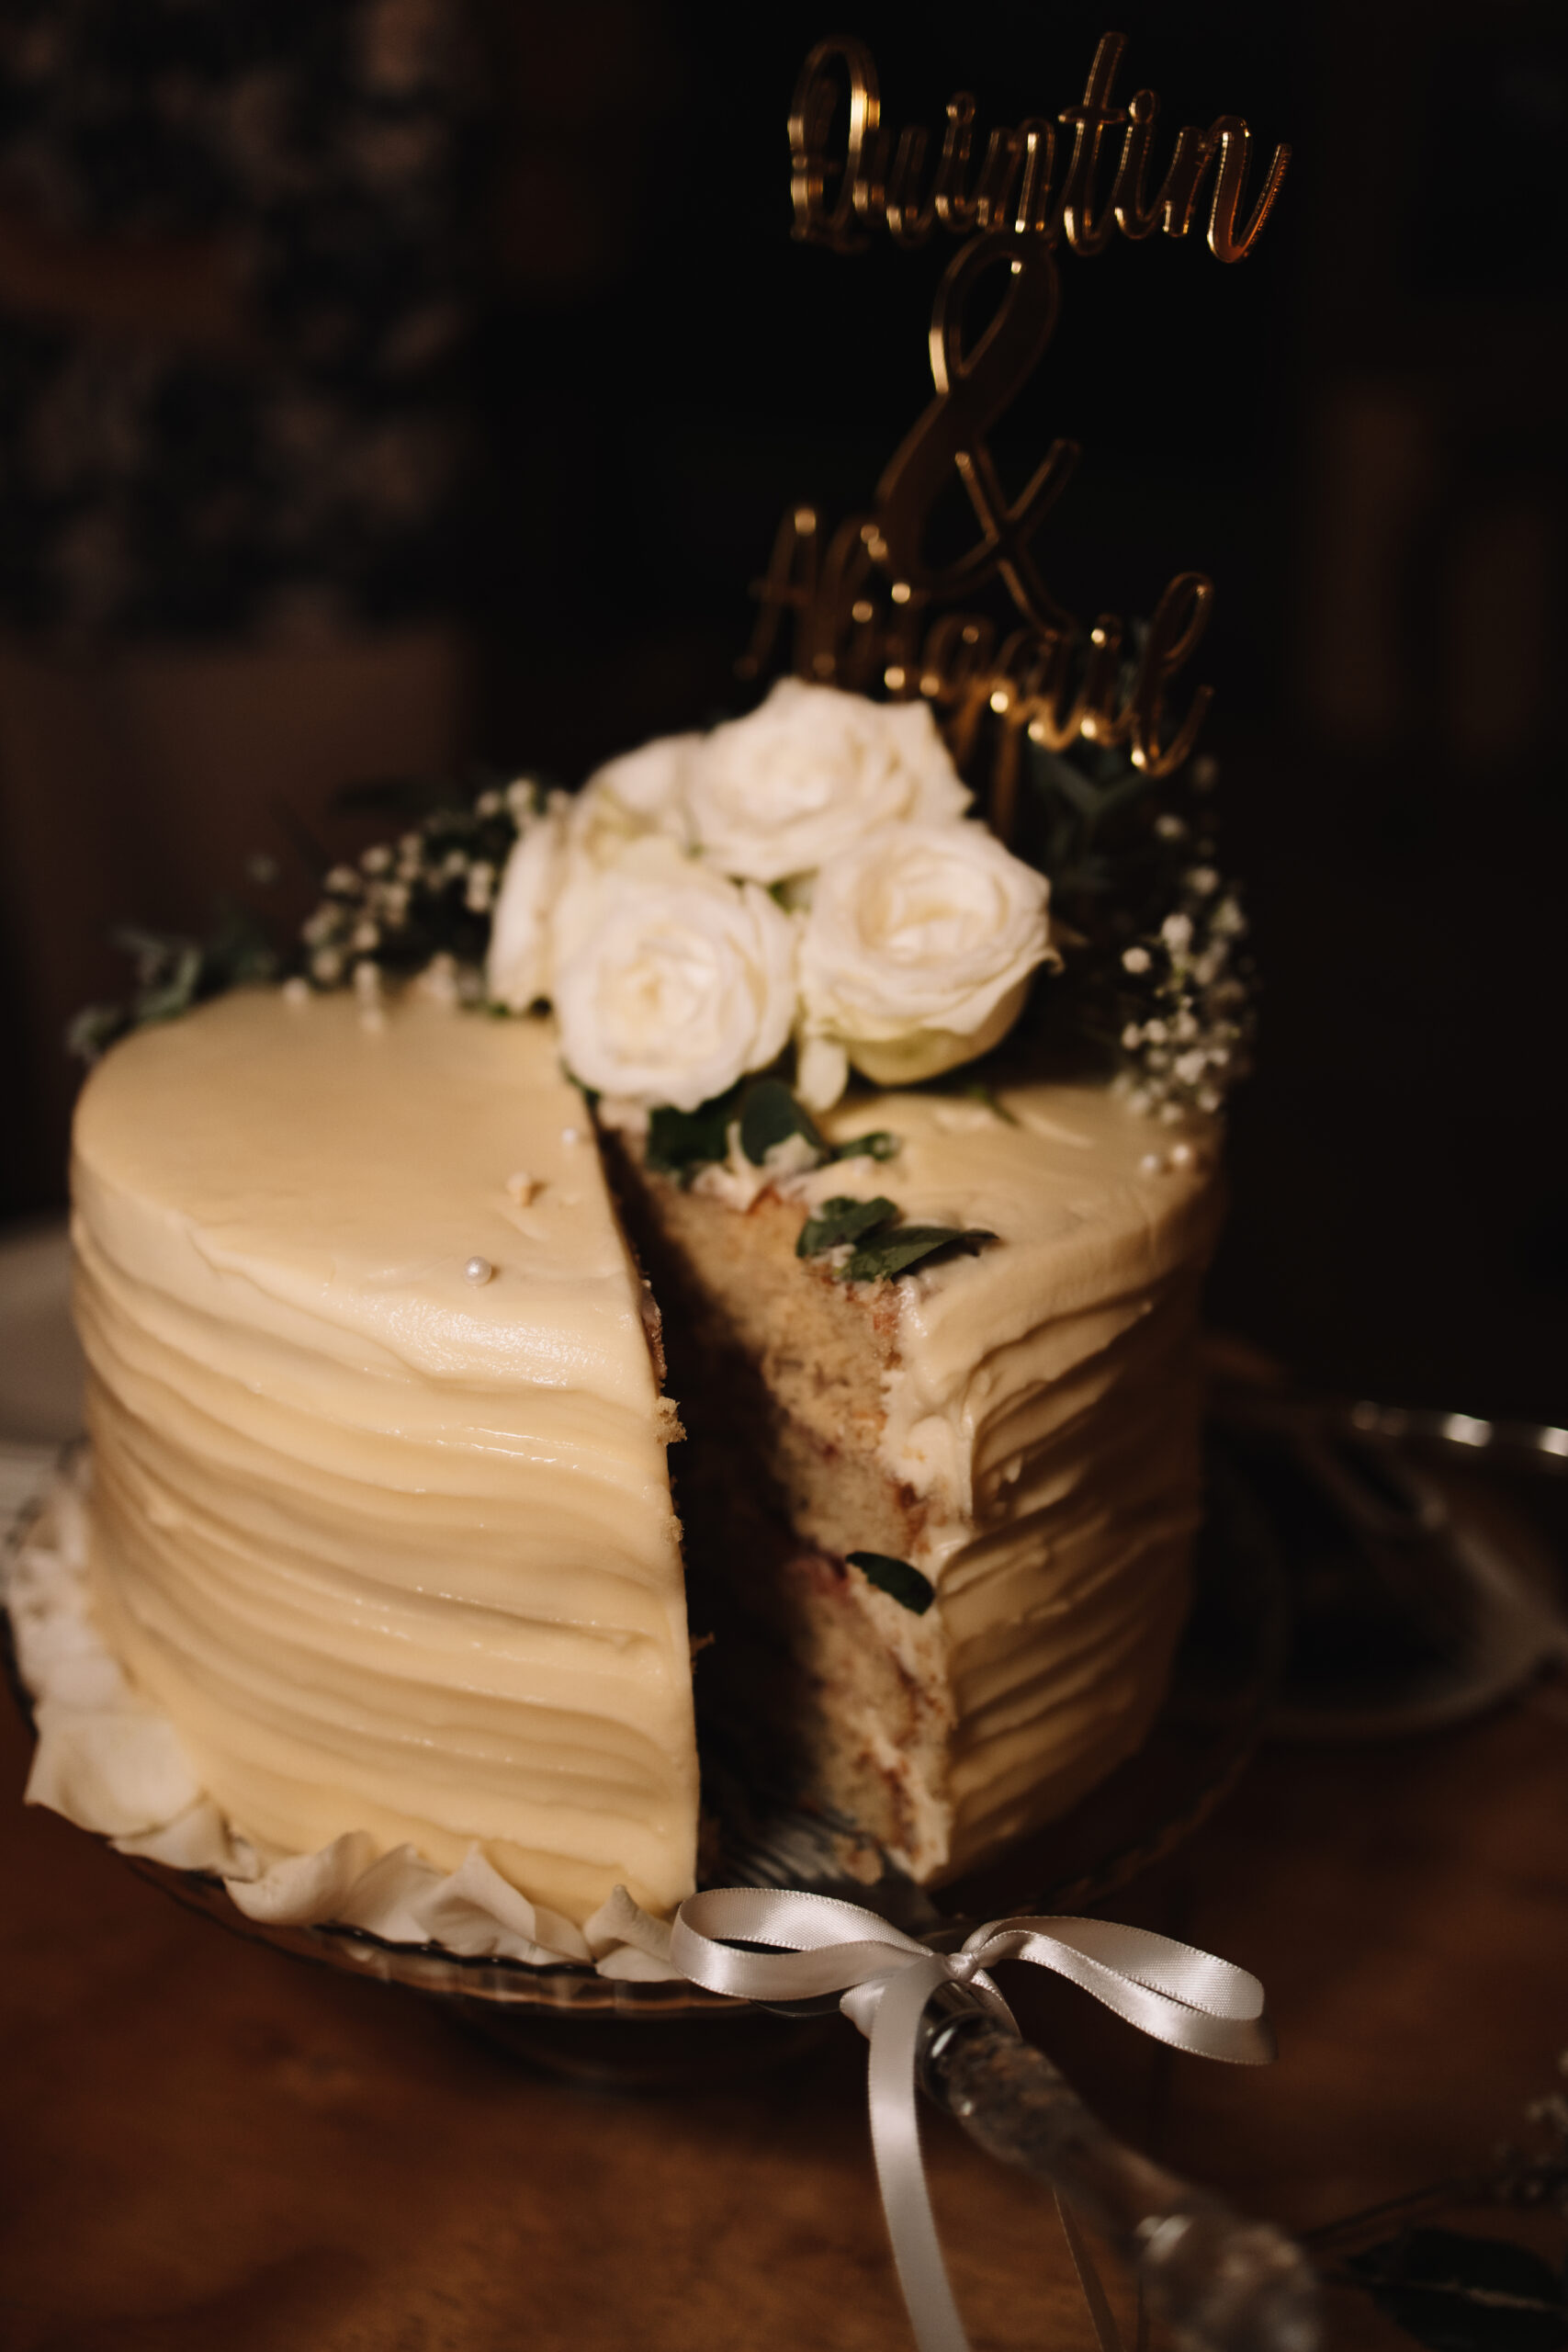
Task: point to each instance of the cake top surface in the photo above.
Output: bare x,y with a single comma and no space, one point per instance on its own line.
357,1169
1039,1162
1093,1213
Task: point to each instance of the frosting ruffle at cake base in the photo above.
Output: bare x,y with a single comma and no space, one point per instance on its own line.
111,1763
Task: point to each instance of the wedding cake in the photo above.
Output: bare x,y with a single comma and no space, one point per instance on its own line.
664,1155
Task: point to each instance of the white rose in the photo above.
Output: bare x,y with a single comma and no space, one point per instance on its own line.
672,982
916,956
802,778
641,793
565,846
517,968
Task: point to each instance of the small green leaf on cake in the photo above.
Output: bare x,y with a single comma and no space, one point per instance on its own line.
174,992
899,1248
680,1142
841,1220
173,973
881,1144
908,1587
770,1115
985,1095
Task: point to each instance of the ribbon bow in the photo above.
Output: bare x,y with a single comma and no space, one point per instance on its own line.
885,1979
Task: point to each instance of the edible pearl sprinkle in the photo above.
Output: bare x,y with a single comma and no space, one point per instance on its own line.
1181,1153
479,1270
569,1135
1151,1163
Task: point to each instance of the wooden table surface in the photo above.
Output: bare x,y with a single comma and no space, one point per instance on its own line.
212,2148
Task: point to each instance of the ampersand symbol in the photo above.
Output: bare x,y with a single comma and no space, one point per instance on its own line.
974,388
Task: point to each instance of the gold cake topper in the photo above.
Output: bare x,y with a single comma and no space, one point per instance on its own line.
869,606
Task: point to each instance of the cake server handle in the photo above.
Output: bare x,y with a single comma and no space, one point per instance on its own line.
1218,2282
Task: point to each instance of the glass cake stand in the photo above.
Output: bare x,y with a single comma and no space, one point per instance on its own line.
573,2021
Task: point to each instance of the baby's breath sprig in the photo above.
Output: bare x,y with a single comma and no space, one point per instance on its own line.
419,901
1184,1003
1156,973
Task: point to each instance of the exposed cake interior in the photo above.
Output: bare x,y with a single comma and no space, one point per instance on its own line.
1019,1427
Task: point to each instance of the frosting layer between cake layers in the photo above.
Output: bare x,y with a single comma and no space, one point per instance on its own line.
394,1548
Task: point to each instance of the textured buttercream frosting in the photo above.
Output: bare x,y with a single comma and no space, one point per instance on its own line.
1044,1406
392,1546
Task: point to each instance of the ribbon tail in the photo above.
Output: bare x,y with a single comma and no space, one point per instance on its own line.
896,2141
1107,2334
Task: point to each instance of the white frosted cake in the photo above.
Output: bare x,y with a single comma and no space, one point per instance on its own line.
395,1549
396,1333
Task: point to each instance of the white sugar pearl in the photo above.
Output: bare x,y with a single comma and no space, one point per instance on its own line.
1151,1163
569,1135
479,1270
1181,1153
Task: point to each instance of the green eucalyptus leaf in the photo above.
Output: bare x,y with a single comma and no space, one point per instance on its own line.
977,1092
238,953
90,1033
680,1142
154,952
881,1255
908,1587
1455,2293
880,1143
770,1115
841,1220
174,991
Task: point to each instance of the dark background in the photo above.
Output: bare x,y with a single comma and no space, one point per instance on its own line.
1356,433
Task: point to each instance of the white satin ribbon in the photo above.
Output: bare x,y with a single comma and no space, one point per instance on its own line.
885,1979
